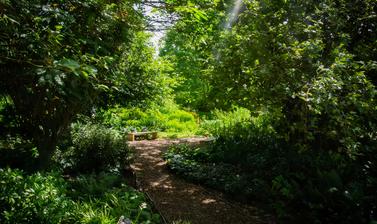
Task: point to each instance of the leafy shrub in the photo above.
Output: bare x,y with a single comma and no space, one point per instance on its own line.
16,152
32,199
16,148
94,148
238,137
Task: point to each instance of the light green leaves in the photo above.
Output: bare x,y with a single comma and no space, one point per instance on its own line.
69,64
198,14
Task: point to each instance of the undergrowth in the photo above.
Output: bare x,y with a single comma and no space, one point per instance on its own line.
167,118
48,198
251,162
87,187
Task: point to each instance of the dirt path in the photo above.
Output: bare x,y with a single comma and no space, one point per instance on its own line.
177,199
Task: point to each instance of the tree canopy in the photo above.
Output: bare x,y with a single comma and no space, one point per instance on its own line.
59,58
312,63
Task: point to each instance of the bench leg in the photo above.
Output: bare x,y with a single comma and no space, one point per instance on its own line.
131,137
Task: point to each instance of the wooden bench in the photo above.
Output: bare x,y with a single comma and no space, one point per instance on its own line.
150,134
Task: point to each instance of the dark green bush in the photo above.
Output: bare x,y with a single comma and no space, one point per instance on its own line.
16,152
16,148
93,148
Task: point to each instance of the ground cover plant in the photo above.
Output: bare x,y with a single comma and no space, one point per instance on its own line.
253,164
48,198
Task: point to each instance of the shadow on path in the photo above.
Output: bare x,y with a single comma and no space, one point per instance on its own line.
177,199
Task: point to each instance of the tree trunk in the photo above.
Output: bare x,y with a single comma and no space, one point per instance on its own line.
46,148
46,144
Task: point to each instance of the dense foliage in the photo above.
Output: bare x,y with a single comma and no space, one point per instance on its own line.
306,71
189,47
32,199
59,58
47,198
311,64
168,118
286,88
253,164
308,61
93,148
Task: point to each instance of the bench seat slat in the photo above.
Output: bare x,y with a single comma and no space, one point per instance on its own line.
131,136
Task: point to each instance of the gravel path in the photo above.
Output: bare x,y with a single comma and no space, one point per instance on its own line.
177,199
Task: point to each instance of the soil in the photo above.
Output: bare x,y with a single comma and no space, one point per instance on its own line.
179,200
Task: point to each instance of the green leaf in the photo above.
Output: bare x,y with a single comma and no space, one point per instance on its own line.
69,64
103,87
